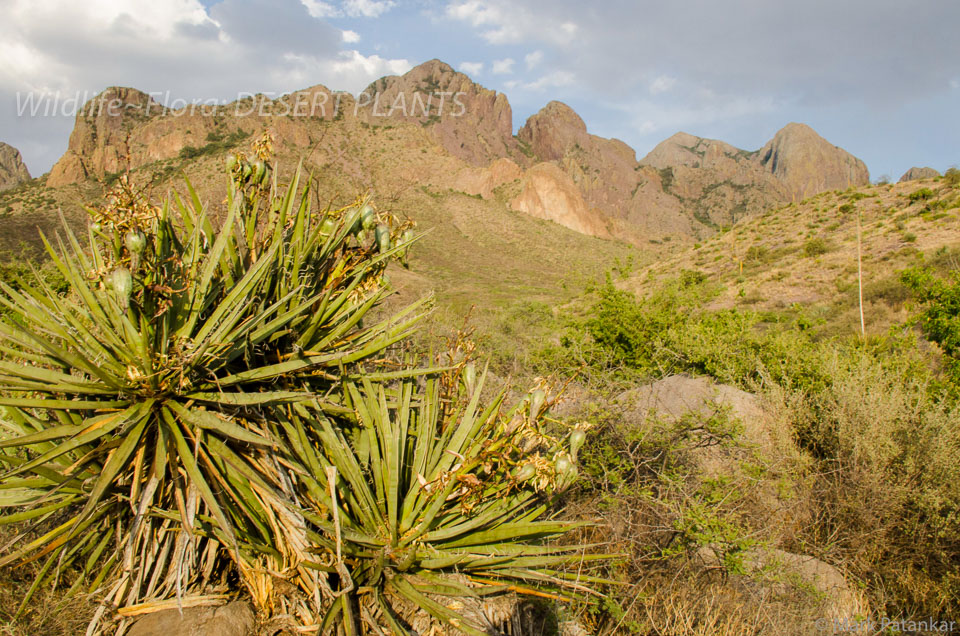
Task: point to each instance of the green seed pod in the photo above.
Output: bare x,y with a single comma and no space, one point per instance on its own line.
122,283
470,376
135,241
383,237
577,437
259,170
247,170
367,216
96,227
525,472
536,401
563,465
231,162
407,236
327,226
352,216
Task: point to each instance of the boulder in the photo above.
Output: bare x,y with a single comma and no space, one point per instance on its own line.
233,619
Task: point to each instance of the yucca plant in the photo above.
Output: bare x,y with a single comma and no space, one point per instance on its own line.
430,503
205,408
141,425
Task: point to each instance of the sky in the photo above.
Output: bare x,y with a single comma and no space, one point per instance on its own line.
876,77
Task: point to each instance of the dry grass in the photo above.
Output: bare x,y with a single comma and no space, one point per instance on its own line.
762,261
49,614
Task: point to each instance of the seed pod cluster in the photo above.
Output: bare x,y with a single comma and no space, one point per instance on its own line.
253,172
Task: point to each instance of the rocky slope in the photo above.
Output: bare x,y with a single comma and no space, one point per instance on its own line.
12,169
460,137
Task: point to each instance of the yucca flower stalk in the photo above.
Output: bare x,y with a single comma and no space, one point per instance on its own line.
139,431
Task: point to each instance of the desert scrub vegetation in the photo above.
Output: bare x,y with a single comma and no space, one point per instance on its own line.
869,475
203,411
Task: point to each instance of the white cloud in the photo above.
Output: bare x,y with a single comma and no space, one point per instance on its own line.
367,8
503,67
475,12
509,22
555,79
471,68
320,9
662,84
351,8
650,117
532,60
351,37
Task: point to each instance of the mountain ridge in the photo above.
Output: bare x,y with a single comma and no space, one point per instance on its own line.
686,187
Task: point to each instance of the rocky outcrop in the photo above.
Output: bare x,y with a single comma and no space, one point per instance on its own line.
12,169
806,163
549,193
483,181
98,143
915,173
628,198
124,128
717,183
471,122
677,396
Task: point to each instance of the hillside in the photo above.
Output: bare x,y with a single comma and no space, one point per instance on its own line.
803,257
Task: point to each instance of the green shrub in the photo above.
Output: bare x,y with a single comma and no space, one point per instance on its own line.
815,247
940,319
952,177
921,194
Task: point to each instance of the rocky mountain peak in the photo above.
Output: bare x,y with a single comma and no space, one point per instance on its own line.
553,130
12,169
473,123
98,143
684,149
916,173
806,163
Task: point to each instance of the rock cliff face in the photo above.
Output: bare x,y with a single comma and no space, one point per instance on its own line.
125,128
916,173
484,181
630,197
12,169
549,193
806,163
471,122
